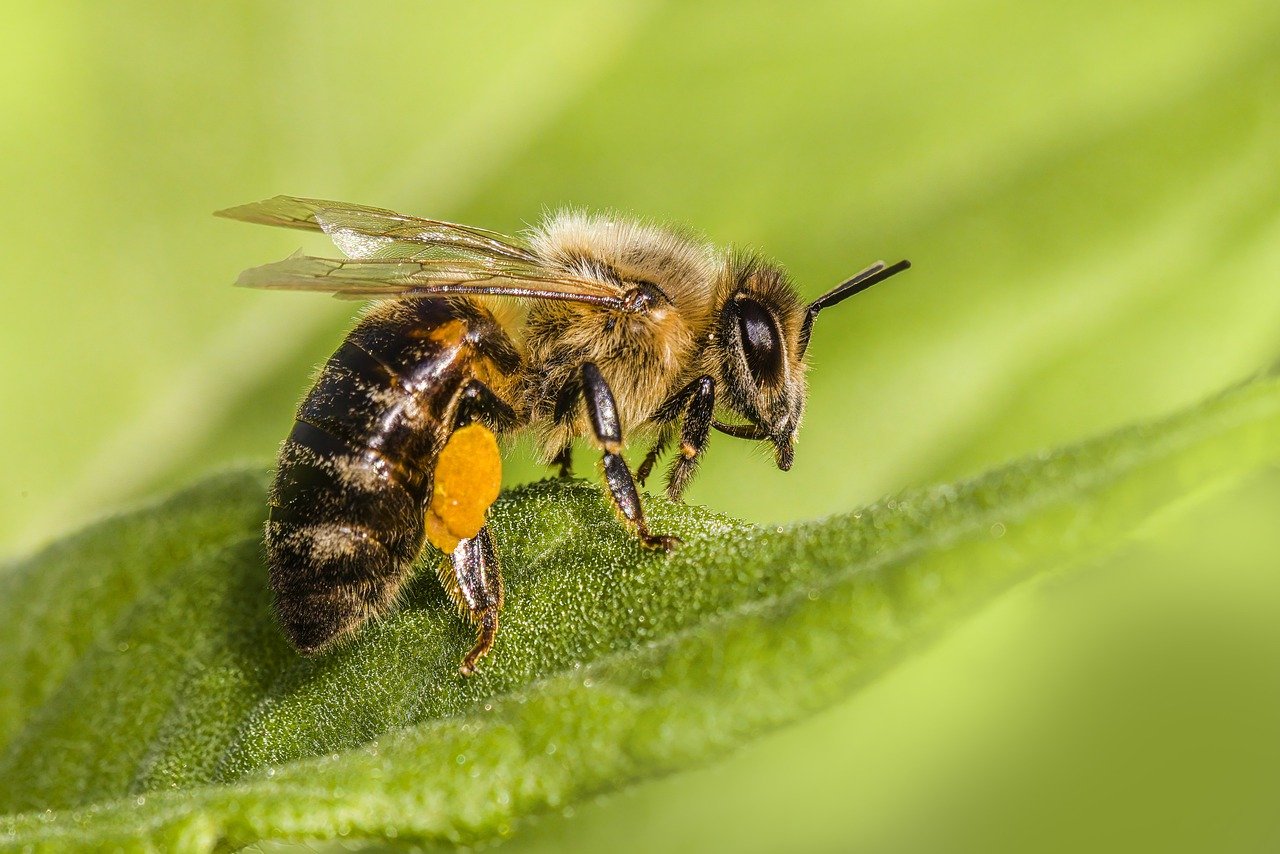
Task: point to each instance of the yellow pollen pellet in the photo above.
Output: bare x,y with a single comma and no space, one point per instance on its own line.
468,478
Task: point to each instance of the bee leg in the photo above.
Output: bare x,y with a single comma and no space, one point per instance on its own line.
665,434
478,592
608,431
564,459
477,400
693,435
476,582
566,404
666,416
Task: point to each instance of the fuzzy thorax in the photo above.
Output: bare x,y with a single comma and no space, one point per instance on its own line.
644,355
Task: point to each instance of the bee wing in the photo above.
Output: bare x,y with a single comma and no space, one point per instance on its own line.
391,254
365,232
358,278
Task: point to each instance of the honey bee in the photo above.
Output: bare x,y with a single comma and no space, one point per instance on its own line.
628,325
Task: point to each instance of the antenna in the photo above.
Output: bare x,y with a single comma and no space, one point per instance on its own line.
873,275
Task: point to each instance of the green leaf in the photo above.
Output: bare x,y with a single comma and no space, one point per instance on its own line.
158,705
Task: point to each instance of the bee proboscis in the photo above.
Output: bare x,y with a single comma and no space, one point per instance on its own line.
628,326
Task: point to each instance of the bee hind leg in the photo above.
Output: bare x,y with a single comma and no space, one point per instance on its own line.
474,581
473,576
603,412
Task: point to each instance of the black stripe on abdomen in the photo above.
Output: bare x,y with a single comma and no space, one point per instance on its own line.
342,534
359,399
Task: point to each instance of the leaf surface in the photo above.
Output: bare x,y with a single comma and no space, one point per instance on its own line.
159,705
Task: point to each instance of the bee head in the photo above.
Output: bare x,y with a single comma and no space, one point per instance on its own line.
761,356
762,335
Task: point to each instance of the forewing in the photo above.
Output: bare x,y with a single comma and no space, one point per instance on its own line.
285,211
365,279
366,232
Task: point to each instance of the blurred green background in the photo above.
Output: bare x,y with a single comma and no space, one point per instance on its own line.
1090,194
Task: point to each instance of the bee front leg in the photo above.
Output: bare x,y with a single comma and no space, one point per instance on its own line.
478,592
693,435
603,412
665,417
665,434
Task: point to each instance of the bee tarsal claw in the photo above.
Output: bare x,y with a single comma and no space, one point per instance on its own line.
661,543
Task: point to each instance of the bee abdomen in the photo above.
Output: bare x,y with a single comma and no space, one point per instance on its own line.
343,532
361,401
347,507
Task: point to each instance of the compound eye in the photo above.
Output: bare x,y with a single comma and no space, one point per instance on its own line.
761,342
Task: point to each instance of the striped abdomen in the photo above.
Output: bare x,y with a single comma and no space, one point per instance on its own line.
355,474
